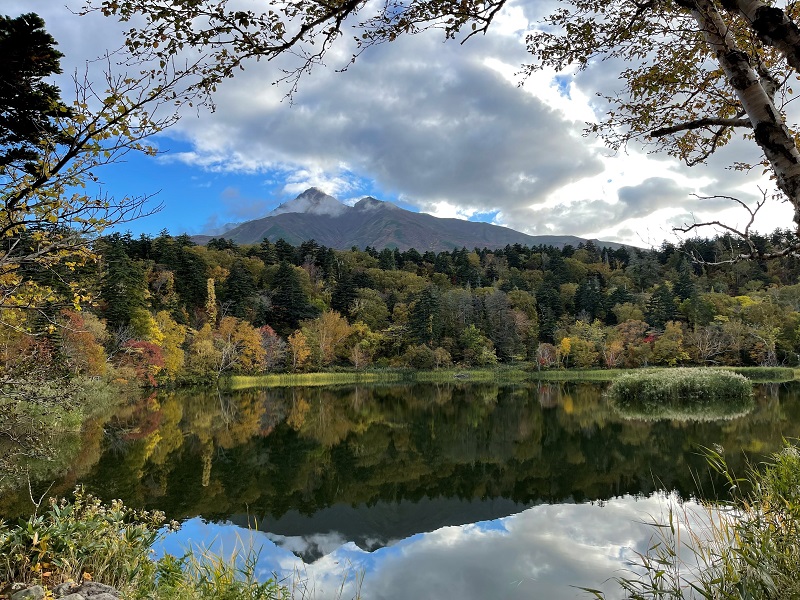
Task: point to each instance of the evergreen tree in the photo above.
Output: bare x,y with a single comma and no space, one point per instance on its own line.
284,251
307,252
267,253
499,325
386,260
344,294
684,285
123,287
191,281
28,103
289,302
661,307
589,298
238,291
425,323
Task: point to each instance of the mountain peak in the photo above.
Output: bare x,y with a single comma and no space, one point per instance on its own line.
370,203
313,201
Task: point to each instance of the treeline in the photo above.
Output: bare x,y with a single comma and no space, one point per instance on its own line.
163,308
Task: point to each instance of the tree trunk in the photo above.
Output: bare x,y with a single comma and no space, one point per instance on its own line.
771,133
773,27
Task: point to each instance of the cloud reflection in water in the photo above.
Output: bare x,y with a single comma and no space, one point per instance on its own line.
539,553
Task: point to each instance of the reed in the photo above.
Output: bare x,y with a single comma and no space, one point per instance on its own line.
699,393
744,548
765,374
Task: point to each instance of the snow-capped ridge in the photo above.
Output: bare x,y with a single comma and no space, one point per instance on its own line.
313,202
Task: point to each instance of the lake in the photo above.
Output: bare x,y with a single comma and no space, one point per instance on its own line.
426,490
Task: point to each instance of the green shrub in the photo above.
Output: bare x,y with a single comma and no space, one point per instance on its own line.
420,357
110,543
691,393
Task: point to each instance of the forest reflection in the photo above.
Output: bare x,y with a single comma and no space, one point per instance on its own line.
295,452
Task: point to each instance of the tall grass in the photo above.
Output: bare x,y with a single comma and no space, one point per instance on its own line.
240,382
745,548
202,575
681,392
578,375
764,374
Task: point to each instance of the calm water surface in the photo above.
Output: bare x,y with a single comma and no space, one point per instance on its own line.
450,490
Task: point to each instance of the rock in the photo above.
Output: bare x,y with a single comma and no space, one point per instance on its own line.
10,588
35,592
99,591
75,596
66,589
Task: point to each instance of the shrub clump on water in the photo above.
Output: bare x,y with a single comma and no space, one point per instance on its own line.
699,393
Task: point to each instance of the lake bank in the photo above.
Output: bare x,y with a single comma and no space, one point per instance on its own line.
520,372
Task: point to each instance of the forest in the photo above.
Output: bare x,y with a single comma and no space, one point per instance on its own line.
162,309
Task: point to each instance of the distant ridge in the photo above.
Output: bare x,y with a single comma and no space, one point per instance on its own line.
371,222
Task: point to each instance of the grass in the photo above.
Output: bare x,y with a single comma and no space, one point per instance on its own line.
516,373
201,575
87,540
698,394
578,375
747,547
765,374
754,374
83,538
240,382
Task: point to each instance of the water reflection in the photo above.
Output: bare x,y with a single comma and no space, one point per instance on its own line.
401,475
541,552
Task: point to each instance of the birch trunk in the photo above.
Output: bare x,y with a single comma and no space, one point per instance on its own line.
770,131
774,28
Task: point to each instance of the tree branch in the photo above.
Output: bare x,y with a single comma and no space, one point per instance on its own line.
701,123
744,234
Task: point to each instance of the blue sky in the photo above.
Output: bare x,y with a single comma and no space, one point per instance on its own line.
438,127
195,200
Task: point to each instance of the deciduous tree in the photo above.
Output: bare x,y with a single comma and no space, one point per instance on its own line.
50,149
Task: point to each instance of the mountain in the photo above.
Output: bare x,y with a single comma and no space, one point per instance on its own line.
371,222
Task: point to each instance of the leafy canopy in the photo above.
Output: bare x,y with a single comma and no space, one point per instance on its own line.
694,73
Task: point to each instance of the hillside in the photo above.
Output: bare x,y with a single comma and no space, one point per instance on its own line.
371,222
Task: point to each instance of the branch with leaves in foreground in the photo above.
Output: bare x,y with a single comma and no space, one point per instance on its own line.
47,217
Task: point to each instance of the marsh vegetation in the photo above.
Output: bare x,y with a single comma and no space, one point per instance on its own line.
681,393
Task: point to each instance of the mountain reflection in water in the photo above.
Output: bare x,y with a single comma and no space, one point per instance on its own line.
428,486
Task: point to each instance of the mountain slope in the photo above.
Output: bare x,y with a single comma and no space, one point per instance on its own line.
315,215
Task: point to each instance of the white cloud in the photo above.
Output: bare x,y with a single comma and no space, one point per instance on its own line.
446,128
541,552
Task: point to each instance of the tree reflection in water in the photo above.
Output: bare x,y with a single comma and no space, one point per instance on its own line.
382,463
